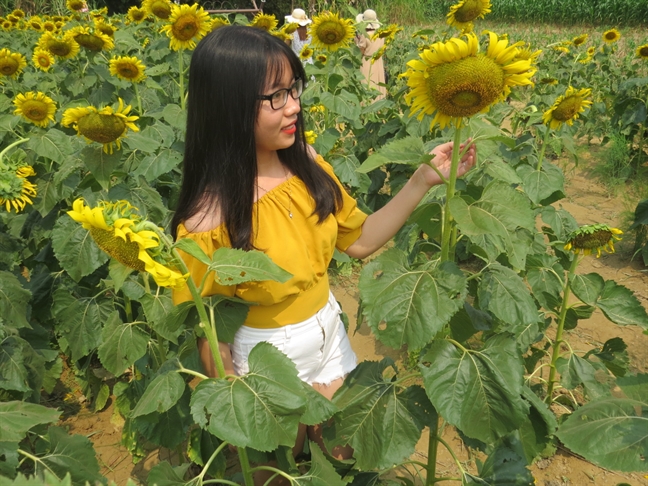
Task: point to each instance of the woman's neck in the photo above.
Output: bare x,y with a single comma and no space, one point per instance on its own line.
269,164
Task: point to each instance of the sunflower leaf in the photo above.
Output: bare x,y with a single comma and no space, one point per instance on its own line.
75,249
123,344
233,267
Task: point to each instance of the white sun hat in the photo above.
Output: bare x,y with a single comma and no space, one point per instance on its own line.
370,18
298,16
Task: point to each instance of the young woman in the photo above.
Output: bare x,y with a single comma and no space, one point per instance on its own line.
251,182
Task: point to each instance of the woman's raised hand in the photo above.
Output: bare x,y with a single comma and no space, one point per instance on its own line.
443,160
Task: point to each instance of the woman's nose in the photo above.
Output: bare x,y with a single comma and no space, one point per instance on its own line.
292,105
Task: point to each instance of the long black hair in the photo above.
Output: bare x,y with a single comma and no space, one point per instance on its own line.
229,69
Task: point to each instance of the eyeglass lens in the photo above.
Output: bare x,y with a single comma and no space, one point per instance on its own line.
280,98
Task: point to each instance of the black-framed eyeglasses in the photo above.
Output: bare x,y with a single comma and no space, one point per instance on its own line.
279,98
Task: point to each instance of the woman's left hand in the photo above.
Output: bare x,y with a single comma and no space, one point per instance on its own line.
443,160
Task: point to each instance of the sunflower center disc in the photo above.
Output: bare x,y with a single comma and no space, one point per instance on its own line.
125,252
465,87
35,110
185,28
329,33
161,10
8,67
90,42
469,11
128,71
101,128
59,48
567,108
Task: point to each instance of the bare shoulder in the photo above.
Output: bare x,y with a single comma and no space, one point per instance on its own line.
203,221
311,151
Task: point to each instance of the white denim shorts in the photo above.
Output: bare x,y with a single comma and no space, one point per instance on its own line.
318,346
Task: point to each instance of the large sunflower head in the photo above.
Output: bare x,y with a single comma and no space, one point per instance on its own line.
567,107
36,108
136,14
64,47
93,41
76,5
49,26
11,63
18,13
187,24
15,190
35,23
105,125
105,28
160,8
454,79
593,238
117,229
264,21
462,14
642,51
611,36
127,68
330,32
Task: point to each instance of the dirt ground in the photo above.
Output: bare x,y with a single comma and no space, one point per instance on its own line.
589,202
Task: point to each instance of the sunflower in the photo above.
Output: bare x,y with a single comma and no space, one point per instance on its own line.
611,36
378,54
49,26
7,25
218,22
35,107
64,46
563,49
11,63
463,13
388,33
321,58
76,5
105,28
93,41
586,59
567,107
187,24
642,51
280,34
18,13
264,21
290,28
105,126
455,80
15,190
160,8
593,237
311,136
329,31
13,19
306,53
127,68
528,54
136,14
119,231
581,39
591,51
36,24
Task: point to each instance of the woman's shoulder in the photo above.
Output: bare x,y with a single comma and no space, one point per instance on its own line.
203,221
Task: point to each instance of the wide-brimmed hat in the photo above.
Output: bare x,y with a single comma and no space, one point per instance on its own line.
298,16
370,19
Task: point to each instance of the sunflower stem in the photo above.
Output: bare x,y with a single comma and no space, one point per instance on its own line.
245,466
181,74
542,149
9,147
447,247
139,99
433,447
205,323
561,325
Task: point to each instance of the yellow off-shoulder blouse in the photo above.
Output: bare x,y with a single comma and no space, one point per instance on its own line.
299,245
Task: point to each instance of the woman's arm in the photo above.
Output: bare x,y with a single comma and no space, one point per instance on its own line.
382,225
207,359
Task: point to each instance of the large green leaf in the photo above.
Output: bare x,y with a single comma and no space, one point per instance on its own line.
14,300
407,304
478,392
79,320
345,165
634,386
229,313
200,448
161,394
560,221
261,409
575,371
506,465
52,144
343,103
123,344
233,267
407,150
504,293
318,408
163,474
612,433
155,164
537,430
621,306
100,164
75,249
544,275
321,472
381,421
13,370
587,287
72,454
540,184
16,418
168,428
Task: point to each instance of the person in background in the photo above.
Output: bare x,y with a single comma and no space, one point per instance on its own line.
374,72
300,37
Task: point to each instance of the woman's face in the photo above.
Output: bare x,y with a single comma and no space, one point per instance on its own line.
276,129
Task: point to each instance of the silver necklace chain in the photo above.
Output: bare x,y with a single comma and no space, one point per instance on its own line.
289,208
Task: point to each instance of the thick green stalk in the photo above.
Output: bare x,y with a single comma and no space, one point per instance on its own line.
542,149
139,99
447,249
205,323
561,325
245,466
9,147
181,73
433,447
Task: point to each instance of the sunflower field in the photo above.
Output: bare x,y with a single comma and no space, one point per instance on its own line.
479,287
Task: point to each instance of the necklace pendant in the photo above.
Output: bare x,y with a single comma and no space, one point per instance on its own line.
290,214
